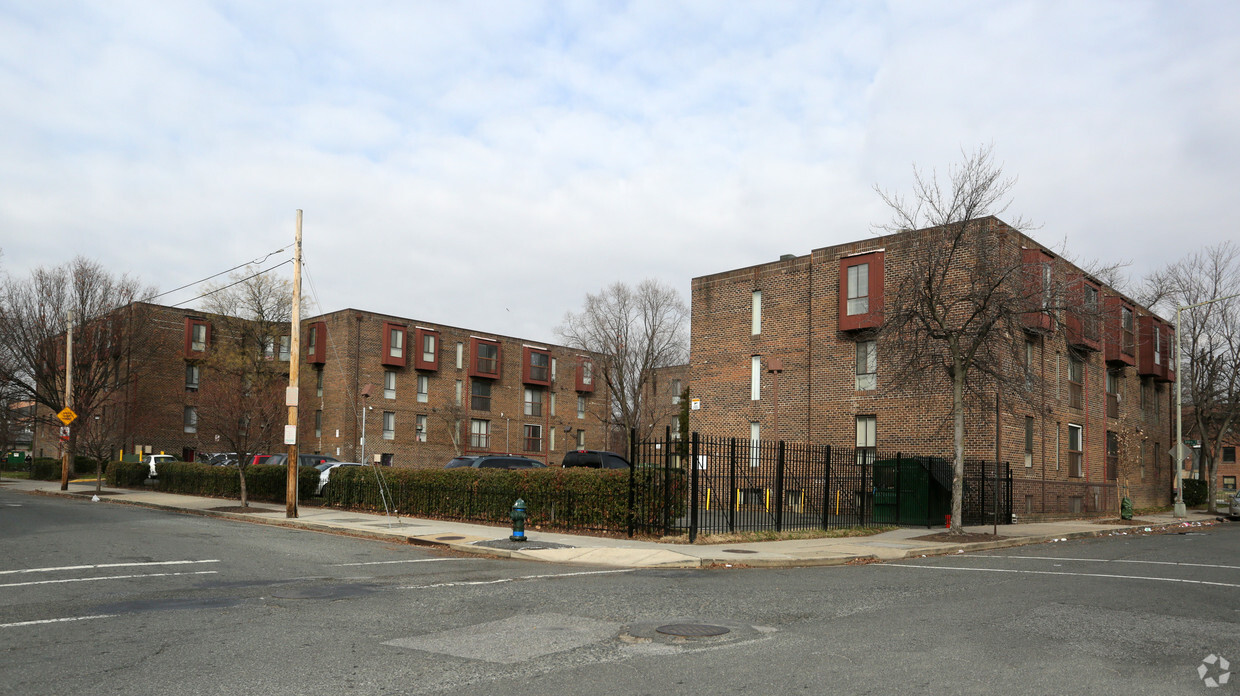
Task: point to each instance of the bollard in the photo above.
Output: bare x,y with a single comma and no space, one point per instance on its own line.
518,521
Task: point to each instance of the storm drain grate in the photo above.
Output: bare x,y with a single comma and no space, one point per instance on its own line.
739,551
449,538
692,630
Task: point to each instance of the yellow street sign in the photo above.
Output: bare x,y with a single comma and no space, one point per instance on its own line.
67,416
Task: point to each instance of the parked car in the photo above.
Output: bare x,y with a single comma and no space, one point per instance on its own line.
152,459
326,473
595,459
1233,506
221,459
501,461
302,459
458,462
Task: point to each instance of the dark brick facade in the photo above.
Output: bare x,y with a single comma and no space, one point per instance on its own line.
821,396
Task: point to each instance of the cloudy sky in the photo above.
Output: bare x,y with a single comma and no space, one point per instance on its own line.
486,164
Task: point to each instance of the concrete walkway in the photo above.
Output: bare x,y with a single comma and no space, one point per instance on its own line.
552,547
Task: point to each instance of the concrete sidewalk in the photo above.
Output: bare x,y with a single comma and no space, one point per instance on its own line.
552,547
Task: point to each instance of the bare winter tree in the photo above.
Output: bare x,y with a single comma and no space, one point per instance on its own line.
633,330
109,332
241,396
958,312
451,417
1210,344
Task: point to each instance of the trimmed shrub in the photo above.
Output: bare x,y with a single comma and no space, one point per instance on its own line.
575,498
127,474
1196,492
45,469
262,483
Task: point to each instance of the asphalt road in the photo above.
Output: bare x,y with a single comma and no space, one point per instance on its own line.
108,599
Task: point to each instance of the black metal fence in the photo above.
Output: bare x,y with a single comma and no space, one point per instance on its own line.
735,485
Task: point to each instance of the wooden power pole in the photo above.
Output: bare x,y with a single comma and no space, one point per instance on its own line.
294,371
67,460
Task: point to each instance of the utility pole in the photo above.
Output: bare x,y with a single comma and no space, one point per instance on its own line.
294,370
66,460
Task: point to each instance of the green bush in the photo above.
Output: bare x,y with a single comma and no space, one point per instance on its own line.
127,474
262,483
575,498
1196,492
45,469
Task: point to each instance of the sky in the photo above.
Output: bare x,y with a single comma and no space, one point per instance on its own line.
487,164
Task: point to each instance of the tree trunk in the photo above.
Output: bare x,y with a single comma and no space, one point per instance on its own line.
241,473
958,436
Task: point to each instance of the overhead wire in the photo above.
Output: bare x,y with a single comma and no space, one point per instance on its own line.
221,289
196,282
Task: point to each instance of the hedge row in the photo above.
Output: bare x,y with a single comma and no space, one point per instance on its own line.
262,483
575,498
1196,492
48,468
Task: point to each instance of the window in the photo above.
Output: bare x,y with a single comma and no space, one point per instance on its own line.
1112,393
1076,382
428,348
553,369
1029,357
1112,472
198,338
533,402
552,407
460,355
1145,457
1229,454
581,439
318,382
396,342
858,289
191,377
488,359
677,390
1147,395
755,444
755,377
285,348
756,320
867,366
191,419
581,407
1229,483
537,367
479,433
389,425
458,392
551,438
1126,324
1157,345
1075,451
1090,320
424,386
318,423
312,340
533,438
389,384
1028,441
419,428
480,395
867,427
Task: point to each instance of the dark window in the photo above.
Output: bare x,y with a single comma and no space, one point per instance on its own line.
1229,454
1112,394
1112,456
533,438
1076,468
1076,382
480,395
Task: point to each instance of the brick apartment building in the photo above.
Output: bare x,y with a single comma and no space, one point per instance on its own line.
1096,413
436,391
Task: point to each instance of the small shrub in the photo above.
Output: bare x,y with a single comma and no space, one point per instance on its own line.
1196,492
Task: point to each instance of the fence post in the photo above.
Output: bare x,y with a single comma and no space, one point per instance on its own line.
632,475
898,520
732,485
1010,502
864,488
779,487
826,489
667,480
693,489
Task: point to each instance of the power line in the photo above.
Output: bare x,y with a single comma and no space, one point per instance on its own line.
206,294
196,282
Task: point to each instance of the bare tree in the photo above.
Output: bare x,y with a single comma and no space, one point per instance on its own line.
1210,343
959,311
245,372
633,330
451,417
108,326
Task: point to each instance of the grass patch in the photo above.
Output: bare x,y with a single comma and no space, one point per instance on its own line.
16,474
770,535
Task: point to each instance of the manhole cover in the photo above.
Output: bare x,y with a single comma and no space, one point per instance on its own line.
449,538
691,630
739,551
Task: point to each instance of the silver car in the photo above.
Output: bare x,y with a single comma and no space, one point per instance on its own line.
1233,506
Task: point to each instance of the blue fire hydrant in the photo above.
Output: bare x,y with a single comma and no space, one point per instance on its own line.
518,521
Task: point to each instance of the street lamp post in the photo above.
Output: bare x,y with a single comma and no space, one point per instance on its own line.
1180,511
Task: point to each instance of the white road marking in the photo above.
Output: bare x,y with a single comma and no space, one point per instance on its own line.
1120,560
50,621
108,577
410,560
105,565
520,577
1052,572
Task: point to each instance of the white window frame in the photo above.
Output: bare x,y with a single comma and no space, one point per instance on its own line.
396,342
459,388
389,384
460,355
551,405
755,377
318,423
193,376
479,433
424,386
198,337
581,407
755,321
858,289
389,425
191,419
428,354
419,428
867,437
755,444
867,373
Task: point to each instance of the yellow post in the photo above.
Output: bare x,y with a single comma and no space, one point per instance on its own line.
708,499
837,503
768,500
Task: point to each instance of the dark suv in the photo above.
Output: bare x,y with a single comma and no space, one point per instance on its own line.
302,459
494,462
595,459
